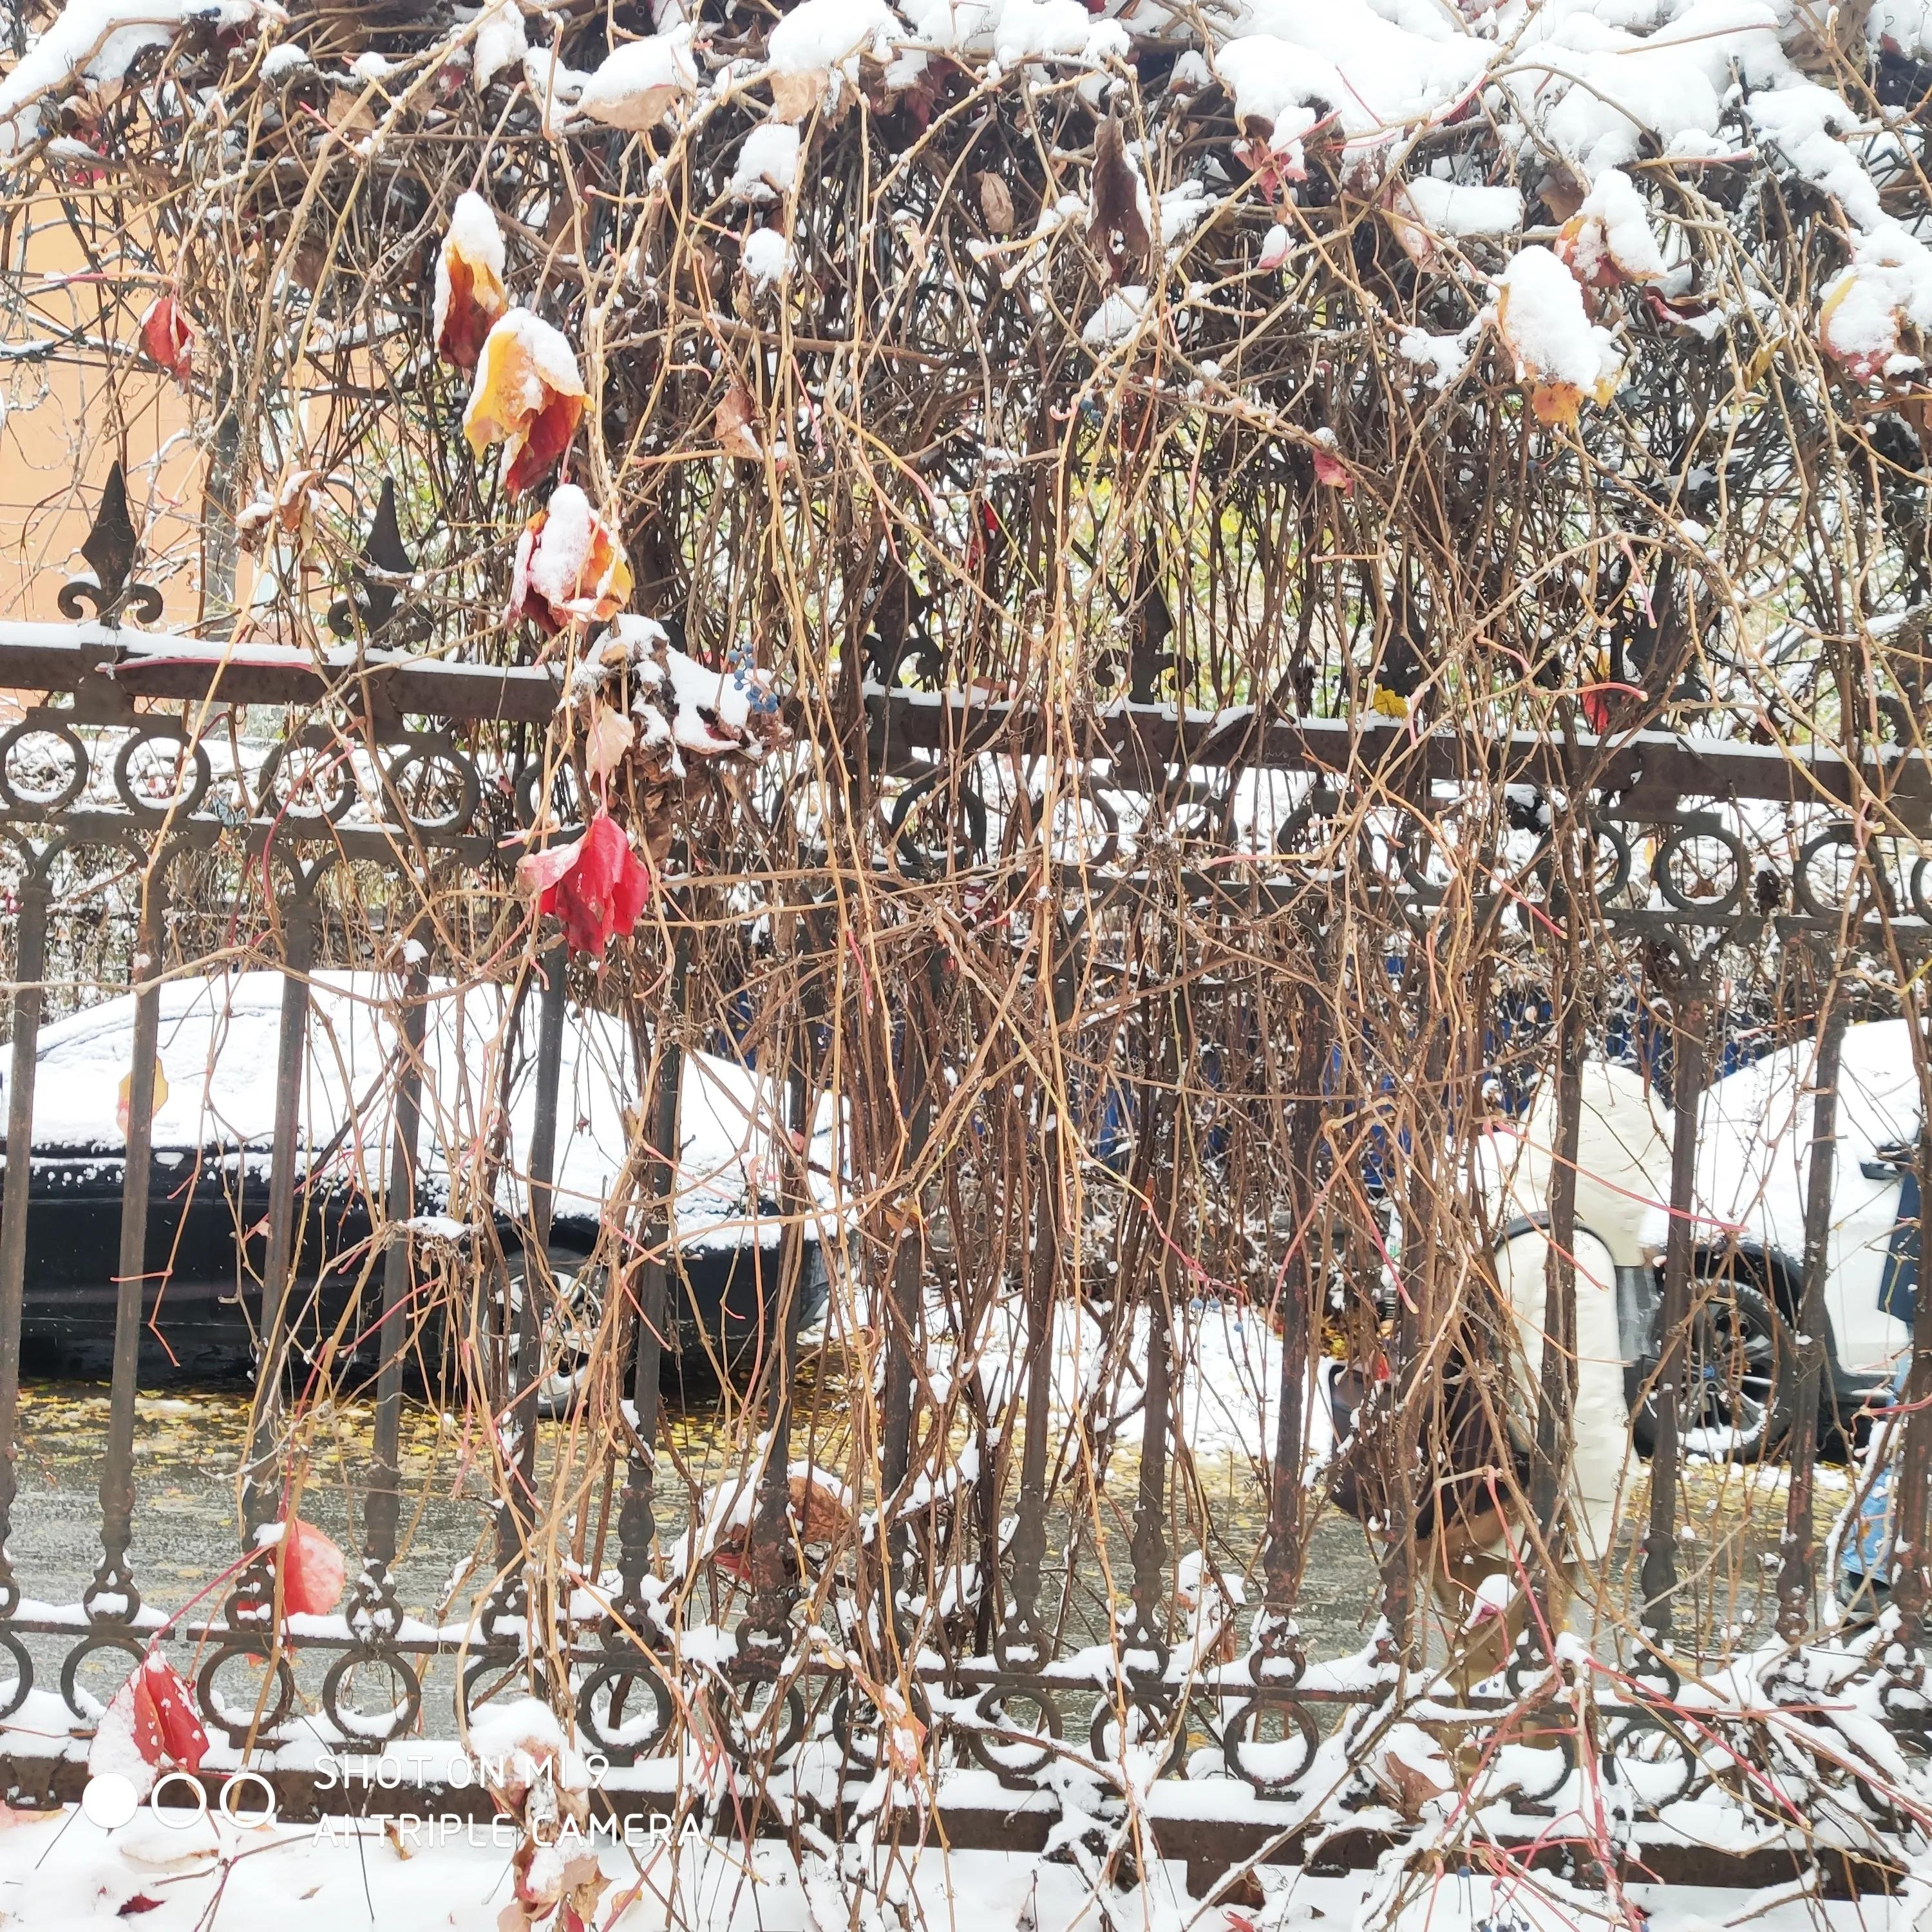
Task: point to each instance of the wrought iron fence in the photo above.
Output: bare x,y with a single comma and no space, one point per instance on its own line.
424,779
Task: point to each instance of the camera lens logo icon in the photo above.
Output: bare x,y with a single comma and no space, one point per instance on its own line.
246,1799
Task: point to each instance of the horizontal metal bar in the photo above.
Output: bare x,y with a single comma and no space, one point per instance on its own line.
1645,769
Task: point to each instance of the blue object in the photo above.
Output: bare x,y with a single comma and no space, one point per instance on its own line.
1864,1563
1898,1286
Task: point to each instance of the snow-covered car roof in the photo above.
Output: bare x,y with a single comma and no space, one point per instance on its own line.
1754,1137
218,1047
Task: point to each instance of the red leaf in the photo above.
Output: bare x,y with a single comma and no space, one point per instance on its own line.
171,1704
166,337
138,1904
313,1571
597,887
1332,471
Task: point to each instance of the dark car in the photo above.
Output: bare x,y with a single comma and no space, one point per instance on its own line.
208,1192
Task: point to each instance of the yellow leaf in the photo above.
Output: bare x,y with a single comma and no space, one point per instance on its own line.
123,1104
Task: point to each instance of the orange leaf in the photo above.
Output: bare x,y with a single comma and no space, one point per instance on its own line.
528,394
470,298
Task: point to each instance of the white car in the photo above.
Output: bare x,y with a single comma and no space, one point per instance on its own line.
1747,1248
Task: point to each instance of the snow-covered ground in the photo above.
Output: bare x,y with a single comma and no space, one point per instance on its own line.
58,1870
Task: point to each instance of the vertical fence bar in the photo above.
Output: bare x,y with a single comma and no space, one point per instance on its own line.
112,1596
30,968
902,1305
382,1510
1912,1507
1556,1382
1659,1573
261,1481
1797,1578
1021,1638
773,1590
513,1519
1282,1555
1150,1540
637,1521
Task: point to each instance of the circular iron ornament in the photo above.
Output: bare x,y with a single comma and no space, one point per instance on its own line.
1834,837
1676,842
254,1720
1605,840
1641,1735
70,1680
1148,1715
330,767
182,804
1921,871
568,808
351,1722
26,799
1003,1746
430,755
1906,1712
757,1743
858,1721
507,1671
1561,1746
621,1740
909,857
1255,1759
1084,796
23,1680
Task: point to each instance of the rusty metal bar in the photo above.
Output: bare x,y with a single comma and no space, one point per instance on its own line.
1281,1553
637,1520
1556,1382
526,1337
29,968
260,1485
1641,768
1797,1579
112,1597
1689,1017
902,1302
1022,1638
382,1510
1912,1504
761,1637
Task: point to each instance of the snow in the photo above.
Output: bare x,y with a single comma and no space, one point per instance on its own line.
1887,283
556,563
1592,87
549,358
1614,226
1445,357
1796,122
767,256
639,83
291,57
98,41
1551,335
1036,29
1117,319
819,35
1375,77
1456,209
473,234
767,166
501,41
